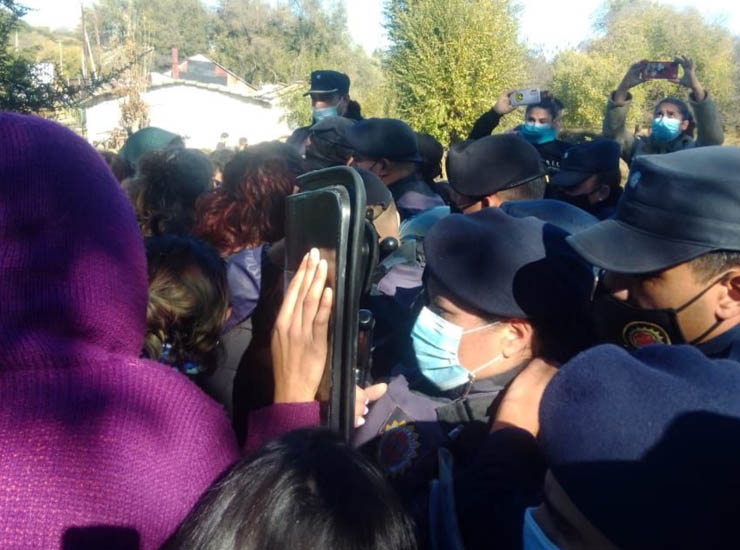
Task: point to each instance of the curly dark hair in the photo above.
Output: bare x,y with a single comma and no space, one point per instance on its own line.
166,188
248,209
188,301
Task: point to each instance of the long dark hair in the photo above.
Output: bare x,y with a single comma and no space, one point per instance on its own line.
307,490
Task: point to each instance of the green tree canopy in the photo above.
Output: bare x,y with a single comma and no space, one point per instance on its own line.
450,59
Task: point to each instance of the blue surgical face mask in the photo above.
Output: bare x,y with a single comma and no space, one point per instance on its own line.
536,133
532,536
665,129
436,341
326,112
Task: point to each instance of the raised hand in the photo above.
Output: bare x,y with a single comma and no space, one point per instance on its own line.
689,78
631,79
300,337
503,105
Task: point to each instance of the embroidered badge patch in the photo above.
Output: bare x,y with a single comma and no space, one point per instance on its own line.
398,447
639,334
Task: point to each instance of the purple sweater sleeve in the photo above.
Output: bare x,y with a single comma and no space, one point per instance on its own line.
271,422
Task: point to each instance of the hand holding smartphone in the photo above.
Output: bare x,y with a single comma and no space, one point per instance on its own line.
658,70
530,96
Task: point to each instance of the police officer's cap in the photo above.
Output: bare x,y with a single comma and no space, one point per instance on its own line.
328,145
506,266
491,164
561,214
646,445
388,138
582,161
675,207
328,82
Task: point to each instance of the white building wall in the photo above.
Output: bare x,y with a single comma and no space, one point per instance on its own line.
199,115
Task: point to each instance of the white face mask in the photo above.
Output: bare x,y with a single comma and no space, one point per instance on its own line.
436,342
533,538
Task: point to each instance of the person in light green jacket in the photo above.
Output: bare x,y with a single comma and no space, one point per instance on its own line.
674,122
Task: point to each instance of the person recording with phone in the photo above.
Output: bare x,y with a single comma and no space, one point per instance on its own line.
674,121
542,122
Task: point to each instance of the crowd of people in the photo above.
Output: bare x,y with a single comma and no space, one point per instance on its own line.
555,361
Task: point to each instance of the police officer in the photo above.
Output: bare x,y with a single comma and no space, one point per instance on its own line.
501,290
542,122
589,178
388,148
671,254
329,98
493,170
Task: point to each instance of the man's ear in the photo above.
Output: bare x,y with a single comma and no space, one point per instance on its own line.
602,192
492,201
517,338
728,306
684,124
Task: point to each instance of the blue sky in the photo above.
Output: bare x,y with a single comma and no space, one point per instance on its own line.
547,24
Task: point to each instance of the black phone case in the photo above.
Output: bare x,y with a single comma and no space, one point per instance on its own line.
357,253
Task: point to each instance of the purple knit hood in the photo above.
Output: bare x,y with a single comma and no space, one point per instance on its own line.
72,262
97,445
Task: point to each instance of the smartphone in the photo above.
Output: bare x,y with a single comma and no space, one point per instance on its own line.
654,70
320,219
531,96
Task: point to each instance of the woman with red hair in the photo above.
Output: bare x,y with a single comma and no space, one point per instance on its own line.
241,218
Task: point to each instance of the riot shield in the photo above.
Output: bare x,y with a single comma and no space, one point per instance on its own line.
329,214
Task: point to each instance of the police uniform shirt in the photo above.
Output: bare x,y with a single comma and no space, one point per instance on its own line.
413,195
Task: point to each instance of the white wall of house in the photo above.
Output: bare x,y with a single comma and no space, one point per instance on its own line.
198,114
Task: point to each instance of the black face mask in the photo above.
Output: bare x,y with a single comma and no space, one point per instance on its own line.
632,327
579,201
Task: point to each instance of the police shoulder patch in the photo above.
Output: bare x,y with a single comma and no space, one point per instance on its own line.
398,447
639,334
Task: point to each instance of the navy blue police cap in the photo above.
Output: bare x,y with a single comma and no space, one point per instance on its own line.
675,207
584,160
388,138
328,145
561,214
328,82
647,445
508,267
491,164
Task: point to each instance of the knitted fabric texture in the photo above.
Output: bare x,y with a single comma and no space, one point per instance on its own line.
97,445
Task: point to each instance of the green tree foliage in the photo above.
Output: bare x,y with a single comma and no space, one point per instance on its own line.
159,24
21,89
631,30
450,59
263,44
